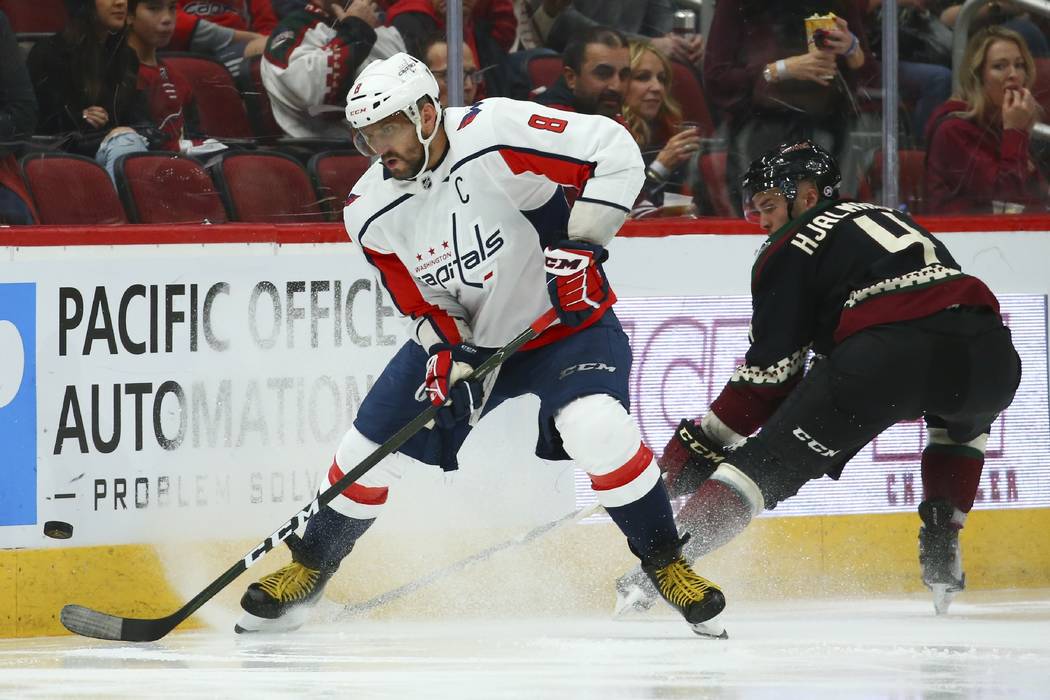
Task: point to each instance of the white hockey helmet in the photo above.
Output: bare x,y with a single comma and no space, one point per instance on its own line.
386,87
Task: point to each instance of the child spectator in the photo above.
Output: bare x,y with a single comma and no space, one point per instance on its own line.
170,96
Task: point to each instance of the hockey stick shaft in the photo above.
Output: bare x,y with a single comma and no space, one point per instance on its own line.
521,540
91,623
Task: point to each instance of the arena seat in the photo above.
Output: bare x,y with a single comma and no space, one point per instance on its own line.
543,71
167,188
912,180
35,17
69,189
219,105
334,173
266,187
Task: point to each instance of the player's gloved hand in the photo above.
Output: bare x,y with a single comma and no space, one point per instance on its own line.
575,280
447,384
689,459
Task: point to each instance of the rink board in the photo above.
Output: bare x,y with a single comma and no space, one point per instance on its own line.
568,573
236,366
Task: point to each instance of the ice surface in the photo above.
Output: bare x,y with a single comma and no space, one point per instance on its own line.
990,645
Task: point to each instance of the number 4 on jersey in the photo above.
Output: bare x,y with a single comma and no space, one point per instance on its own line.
896,243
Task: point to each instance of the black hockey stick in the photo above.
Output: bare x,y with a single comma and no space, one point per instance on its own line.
390,596
92,623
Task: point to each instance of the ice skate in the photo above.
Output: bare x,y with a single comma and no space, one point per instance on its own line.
939,554
281,601
697,599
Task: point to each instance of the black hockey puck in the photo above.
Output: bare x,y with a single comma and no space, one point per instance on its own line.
58,530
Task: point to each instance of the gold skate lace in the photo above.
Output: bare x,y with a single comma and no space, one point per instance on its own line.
680,585
292,582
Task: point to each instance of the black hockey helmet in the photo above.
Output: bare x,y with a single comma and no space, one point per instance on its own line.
784,167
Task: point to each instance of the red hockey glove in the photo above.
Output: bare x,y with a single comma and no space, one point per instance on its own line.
575,280
689,459
447,384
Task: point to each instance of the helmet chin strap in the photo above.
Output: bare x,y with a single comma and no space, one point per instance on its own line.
418,121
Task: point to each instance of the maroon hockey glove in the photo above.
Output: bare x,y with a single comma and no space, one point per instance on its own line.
447,385
689,459
576,281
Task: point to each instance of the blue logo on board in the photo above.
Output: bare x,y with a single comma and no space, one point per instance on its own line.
18,403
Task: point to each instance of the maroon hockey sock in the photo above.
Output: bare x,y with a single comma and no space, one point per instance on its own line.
713,515
951,473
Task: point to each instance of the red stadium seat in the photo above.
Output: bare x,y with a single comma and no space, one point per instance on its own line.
219,104
266,188
334,173
912,186
685,88
713,178
70,189
543,72
167,188
1041,87
35,16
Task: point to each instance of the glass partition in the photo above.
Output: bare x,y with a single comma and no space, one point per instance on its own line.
932,106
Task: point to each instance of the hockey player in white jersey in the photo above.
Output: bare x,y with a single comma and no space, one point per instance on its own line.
465,219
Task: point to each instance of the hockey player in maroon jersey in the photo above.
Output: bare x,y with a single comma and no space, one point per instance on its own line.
464,218
899,332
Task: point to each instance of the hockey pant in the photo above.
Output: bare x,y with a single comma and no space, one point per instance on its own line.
958,369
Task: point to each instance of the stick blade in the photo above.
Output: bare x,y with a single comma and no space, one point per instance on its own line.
92,623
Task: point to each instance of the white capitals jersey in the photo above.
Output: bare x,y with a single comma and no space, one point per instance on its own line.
461,247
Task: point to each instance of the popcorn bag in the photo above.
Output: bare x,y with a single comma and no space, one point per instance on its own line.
816,25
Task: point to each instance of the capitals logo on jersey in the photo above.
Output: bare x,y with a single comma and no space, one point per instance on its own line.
460,257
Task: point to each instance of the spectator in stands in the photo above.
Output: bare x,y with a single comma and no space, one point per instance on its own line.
489,28
773,86
312,58
170,96
597,70
924,72
1003,13
434,53
228,45
85,81
978,155
654,119
17,121
244,15
558,22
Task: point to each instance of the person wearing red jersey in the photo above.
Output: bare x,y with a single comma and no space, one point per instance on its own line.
169,95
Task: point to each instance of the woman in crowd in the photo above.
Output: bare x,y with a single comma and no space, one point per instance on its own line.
655,121
85,81
978,158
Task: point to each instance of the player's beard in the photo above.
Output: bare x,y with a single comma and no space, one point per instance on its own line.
414,163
